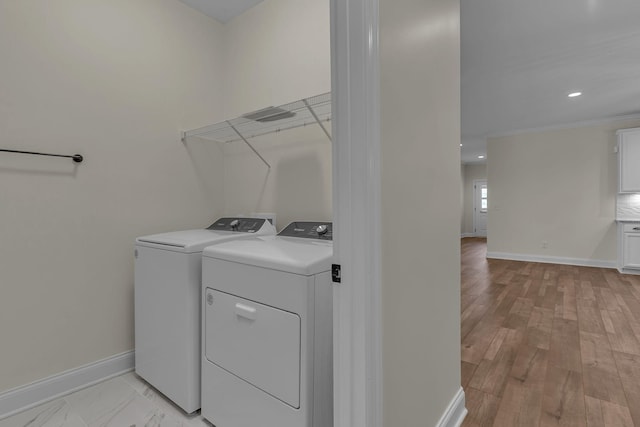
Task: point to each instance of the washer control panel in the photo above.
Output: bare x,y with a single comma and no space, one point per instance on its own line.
309,230
242,225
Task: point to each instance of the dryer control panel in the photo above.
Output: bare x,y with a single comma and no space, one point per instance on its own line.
309,230
243,225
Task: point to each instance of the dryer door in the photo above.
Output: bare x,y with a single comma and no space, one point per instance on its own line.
257,343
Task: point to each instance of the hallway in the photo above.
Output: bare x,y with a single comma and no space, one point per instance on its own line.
547,344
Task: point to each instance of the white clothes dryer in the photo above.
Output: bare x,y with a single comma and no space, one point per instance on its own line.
167,304
267,350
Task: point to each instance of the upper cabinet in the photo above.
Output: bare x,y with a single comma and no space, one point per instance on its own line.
629,160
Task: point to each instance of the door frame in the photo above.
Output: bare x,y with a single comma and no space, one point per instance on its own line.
357,306
476,207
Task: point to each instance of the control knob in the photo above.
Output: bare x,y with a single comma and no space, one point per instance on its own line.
234,224
322,230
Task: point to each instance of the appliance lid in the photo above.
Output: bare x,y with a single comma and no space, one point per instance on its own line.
290,254
224,229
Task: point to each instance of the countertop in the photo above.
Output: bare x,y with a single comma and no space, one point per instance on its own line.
627,220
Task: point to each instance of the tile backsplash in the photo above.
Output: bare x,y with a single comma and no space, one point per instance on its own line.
628,206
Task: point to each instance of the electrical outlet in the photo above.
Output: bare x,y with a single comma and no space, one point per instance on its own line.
545,244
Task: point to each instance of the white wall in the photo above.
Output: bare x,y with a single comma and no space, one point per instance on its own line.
115,81
557,186
471,172
279,52
420,90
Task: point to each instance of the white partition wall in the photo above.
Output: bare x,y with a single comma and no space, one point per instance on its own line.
396,152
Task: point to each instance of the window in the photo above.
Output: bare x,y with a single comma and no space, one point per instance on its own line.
484,204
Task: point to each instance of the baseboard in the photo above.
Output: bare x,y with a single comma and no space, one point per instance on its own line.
583,262
463,235
42,391
629,271
455,413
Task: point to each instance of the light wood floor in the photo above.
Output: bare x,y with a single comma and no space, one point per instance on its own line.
548,345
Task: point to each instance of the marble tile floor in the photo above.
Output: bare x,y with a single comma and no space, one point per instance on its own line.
123,401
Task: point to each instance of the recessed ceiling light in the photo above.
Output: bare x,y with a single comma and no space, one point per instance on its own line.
481,157
574,94
460,145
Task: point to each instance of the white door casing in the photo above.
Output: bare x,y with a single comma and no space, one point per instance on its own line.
356,211
480,212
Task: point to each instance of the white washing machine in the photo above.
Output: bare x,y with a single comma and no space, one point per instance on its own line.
267,352
168,289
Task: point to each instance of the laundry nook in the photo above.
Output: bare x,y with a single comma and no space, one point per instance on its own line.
230,213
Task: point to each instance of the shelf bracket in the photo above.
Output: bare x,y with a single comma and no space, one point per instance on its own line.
247,142
315,116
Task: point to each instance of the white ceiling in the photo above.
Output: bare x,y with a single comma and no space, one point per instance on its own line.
222,10
521,58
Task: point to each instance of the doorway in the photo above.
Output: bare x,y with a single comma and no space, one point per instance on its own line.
480,207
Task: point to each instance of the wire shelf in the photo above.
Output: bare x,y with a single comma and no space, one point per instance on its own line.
315,110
